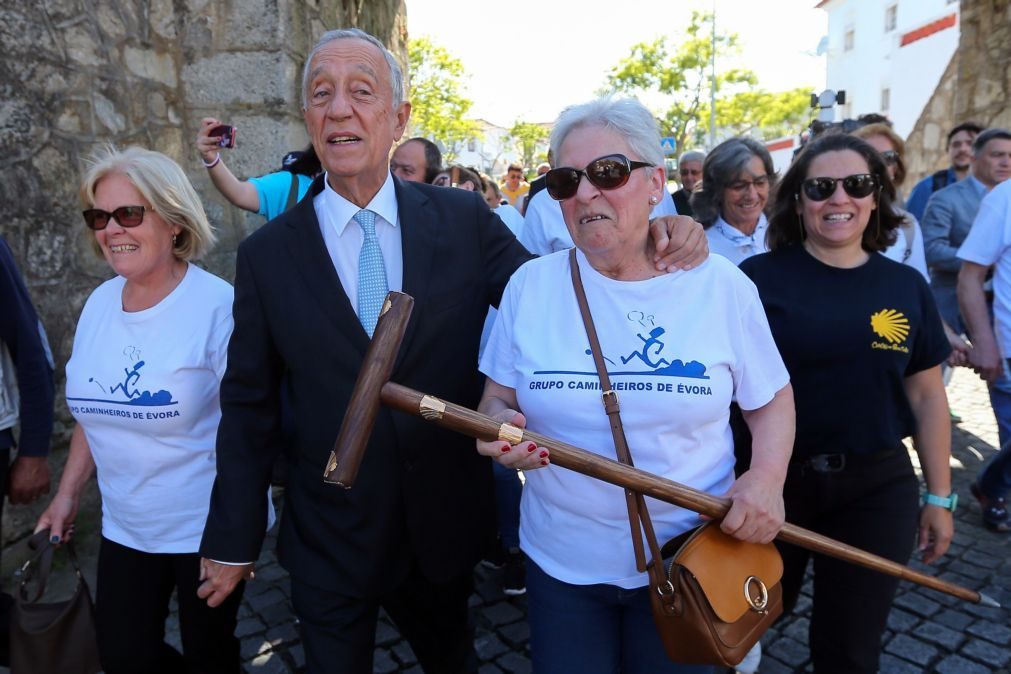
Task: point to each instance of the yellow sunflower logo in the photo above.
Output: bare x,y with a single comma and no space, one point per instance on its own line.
891,325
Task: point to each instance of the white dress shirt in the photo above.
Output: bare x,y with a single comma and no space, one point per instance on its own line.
343,236
735,245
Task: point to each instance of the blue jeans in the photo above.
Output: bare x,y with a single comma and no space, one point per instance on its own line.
1000,401
508,490
995,478
594,629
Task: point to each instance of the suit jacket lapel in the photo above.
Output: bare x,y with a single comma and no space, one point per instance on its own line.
313,263
418,231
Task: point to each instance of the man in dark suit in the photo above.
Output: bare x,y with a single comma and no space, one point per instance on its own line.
307,288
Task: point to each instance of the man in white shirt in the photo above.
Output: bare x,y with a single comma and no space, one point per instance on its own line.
987,244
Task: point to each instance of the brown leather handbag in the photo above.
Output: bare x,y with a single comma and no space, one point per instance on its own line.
713,596
57,636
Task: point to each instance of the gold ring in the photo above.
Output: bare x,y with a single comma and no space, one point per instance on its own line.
511,434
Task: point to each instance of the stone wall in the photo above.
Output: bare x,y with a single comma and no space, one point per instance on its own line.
975,85
77,74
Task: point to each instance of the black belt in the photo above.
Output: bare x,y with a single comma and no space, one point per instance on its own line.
836,463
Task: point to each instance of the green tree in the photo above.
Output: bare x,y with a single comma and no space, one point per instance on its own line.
526,137
438,104
680,71
772,114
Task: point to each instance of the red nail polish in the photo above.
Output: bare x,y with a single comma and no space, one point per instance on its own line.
505,448
531,448
543,455
544,463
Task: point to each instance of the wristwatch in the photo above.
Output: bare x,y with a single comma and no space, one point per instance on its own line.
948,503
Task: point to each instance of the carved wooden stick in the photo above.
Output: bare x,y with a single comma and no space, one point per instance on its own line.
373,386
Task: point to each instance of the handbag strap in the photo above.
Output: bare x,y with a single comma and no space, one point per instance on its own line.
638,516
39,566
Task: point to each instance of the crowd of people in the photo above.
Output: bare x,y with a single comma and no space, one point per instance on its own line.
820,311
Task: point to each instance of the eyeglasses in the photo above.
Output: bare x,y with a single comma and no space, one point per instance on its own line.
759,183
607,173
126,216
857,186
891,157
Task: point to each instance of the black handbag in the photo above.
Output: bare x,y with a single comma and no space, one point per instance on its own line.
54,636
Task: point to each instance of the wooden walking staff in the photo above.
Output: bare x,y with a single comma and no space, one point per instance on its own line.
373,387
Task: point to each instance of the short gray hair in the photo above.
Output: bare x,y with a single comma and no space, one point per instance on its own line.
723,166
692,155
627,116
986,136
163,183
396,74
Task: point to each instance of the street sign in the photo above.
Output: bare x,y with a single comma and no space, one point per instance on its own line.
668,145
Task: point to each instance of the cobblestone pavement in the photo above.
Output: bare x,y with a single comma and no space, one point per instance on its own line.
927,631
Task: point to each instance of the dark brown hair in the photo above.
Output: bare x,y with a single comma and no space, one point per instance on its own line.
786,227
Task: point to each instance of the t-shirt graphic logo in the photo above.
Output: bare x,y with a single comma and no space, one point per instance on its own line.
891,325
648,351
127,392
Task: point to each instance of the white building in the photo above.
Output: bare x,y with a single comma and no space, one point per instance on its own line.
889,55
493,152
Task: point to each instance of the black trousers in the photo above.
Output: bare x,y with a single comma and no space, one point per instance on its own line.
134,589
873,505
339,632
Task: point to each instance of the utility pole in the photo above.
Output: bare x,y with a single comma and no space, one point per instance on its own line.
712,86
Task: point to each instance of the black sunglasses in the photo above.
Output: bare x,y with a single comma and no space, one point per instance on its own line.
857,186
891,157
126,216
607,173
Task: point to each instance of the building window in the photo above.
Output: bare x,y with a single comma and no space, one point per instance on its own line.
891,18
848,40
472,145
886,99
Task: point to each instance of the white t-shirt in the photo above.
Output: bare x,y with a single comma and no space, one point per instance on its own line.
917,258
678,348
544,229
144,387
735,245
512,219
987,244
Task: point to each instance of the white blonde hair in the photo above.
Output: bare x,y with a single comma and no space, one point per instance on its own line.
162,182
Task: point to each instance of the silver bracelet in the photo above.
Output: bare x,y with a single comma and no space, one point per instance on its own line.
210,165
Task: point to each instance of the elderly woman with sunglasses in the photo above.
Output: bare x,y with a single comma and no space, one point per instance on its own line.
142,384
737,179
863,342
678,346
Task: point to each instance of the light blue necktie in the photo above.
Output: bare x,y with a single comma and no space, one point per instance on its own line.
371,273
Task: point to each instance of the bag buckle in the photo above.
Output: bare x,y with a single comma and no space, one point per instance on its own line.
827,463
610,400
759,603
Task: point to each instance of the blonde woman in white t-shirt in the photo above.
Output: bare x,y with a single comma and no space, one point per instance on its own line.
678,348
142,384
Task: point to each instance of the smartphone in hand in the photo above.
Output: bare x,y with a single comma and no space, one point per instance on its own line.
225,134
